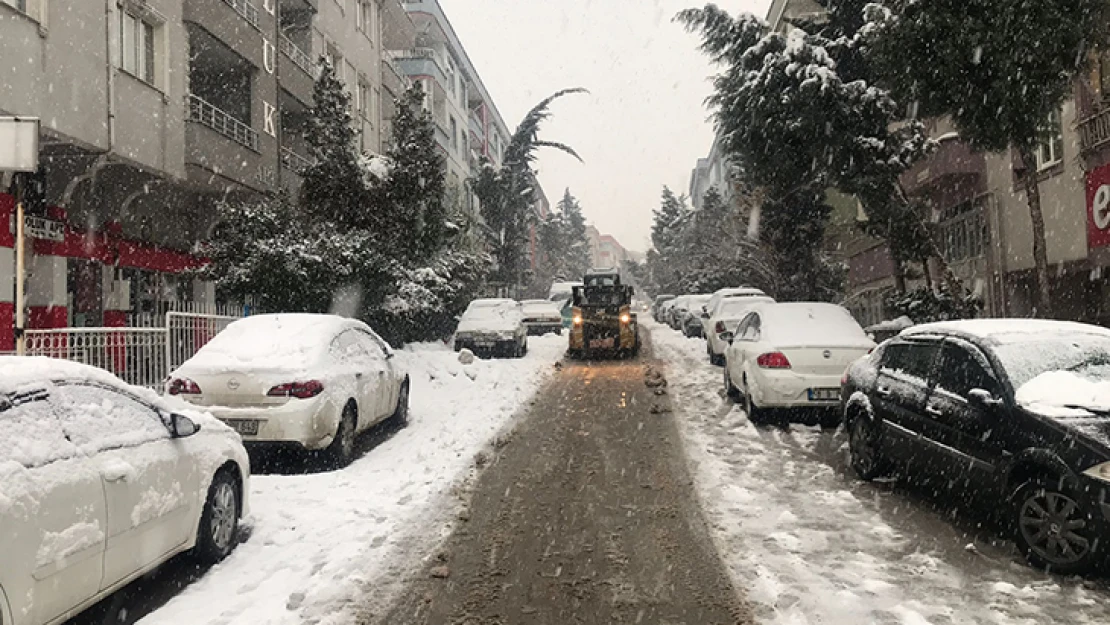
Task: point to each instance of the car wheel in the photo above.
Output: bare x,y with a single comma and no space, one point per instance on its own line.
756,414
717,360
1054,529
342,448
400,416
829,419
730,389
219,523
863,445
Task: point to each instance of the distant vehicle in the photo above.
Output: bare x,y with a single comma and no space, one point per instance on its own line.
880,332
710,308
792,355
674,310
561,291
604,322
542,317
657,304
719,328
311,381
1016,410
102,483
493,327
687,316
665,308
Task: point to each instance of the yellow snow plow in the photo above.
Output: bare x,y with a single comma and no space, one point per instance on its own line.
602,321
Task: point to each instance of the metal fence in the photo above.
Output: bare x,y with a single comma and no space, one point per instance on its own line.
139,356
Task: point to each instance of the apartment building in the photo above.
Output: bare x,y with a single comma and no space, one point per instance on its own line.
605,250
153,112
468,125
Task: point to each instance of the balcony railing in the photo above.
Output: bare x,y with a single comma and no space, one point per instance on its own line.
222,122
246,9
1095,130
299,57
295,162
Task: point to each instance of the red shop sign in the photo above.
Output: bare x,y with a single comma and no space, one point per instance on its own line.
1098,207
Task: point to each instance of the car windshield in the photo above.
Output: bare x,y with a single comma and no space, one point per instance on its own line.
448,308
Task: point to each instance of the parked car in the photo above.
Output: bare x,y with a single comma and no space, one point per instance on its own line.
792,355
890,328
102,483
664,316
1015,410
720,327
690,319
493,327
311,381
542,317
675,310
709,310
657,304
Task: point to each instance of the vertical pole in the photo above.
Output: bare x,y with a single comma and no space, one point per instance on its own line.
20,339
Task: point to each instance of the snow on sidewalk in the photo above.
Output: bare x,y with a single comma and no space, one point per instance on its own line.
322,544
810,544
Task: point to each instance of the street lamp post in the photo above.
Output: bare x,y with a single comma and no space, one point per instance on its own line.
19,153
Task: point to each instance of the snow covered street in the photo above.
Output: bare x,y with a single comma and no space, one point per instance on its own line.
320,543
812,544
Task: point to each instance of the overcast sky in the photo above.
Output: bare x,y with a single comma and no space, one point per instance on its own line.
644,123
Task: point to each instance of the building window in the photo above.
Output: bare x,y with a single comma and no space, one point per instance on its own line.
364,17
1050,148
363,99
451,71
454,134
136,46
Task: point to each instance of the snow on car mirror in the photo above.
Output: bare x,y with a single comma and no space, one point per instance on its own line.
983,398
726,337
182,426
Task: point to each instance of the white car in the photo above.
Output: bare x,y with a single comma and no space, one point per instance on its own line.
315,381
710,308
101,483
493,326
793,355
542,317
729,312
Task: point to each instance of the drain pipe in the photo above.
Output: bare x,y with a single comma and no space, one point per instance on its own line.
111,84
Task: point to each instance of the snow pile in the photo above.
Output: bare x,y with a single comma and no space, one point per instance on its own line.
810,544
375,168
324,544
1064,393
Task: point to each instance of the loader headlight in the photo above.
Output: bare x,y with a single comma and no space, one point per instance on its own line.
577,320
626,318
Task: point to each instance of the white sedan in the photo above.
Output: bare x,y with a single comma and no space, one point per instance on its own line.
793,355
100,483
727,313
493,326
542,317
315,381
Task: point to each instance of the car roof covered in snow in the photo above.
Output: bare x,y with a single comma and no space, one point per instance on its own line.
21,373
738,292
1000,331
491,302
276,340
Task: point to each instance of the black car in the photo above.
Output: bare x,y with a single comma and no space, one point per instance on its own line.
1005,409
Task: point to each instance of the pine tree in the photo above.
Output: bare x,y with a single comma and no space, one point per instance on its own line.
577,246
998,68
333,187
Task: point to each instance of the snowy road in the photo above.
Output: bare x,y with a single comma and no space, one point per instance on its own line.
814,545
320,542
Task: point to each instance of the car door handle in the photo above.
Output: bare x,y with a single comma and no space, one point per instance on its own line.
883,391
933,410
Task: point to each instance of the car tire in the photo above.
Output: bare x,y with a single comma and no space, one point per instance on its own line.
400,416
756,415
1066,519
865,448
219,522
829,419
716,360
342,448
730,389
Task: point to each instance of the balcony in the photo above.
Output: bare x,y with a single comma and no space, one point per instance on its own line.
299,57
954,164
295,162
206,114
245,9
420,61
1094,131
477,129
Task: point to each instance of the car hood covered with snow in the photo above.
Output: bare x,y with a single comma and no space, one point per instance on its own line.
1077,402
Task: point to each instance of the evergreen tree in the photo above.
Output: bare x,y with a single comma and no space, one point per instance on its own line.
507,195
998,68
576,250
333,188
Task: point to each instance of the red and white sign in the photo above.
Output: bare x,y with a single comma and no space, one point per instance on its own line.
1098,207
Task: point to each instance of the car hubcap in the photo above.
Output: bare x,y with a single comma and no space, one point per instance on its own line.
223,516
1055,527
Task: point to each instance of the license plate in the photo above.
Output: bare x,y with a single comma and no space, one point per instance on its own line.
824,394
247,427
602,343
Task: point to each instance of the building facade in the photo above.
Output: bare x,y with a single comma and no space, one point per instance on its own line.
155,111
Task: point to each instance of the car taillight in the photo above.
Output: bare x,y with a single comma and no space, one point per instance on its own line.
300,390
183,386
720,327
773,360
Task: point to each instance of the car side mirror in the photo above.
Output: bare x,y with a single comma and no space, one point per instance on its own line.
726,337
182,426
983,398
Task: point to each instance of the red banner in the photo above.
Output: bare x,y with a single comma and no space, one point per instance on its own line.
1098,207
